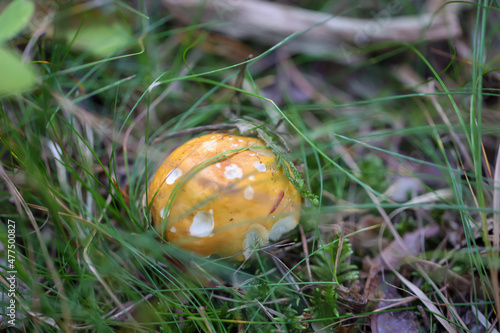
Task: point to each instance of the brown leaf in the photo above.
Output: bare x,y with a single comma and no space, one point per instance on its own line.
392,255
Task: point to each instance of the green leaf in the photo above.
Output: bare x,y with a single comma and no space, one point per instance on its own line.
101,39
16,75
14,18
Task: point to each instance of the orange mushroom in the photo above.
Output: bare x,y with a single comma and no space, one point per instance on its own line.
223,194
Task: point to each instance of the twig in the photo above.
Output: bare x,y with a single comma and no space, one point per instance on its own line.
341,37
306,252
339,248
425,318
205,320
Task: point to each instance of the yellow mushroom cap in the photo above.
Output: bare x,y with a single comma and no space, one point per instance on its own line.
222,194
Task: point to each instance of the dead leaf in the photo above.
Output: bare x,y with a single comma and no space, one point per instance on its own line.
392,255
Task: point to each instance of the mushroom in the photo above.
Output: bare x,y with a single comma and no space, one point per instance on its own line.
223,194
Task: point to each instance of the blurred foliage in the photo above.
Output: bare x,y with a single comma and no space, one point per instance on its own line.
16,75
14,18
373,172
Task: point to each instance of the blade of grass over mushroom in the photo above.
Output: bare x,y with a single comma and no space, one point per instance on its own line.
189,175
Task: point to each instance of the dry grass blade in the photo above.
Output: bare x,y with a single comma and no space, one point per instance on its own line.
482,319
205,321
496,235
427,302
114,316
463,151
289,276
269,315
449,305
